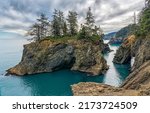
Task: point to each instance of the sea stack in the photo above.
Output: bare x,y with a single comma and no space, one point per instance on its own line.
48,56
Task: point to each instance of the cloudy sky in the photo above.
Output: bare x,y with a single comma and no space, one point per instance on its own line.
16,16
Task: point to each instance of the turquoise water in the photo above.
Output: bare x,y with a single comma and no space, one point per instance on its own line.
49,84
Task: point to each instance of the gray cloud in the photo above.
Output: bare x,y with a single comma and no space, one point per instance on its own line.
119,12
18,15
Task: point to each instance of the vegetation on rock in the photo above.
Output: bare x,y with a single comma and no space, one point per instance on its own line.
61,27
144,21
138,82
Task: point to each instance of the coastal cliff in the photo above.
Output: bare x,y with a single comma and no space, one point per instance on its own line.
49,55
137,83
124,54
142,52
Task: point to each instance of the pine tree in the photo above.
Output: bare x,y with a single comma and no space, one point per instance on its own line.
73,23
38,30
55,24
34,32
89,19
82,33
144,21
43,23
61,21
58,23
89,22
65,29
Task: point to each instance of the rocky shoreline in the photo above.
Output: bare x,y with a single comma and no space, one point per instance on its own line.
123,54
48,56
86,56
136,84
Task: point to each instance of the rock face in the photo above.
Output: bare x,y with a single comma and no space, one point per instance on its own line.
123,54
137,83
136,46
142,53
89,59
96,89
37,59
105,48
48,56
116,41
139,77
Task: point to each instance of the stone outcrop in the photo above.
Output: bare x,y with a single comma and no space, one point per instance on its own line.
139,77
136,46
48,56
137,83
142,53
89,59
116,40
42,57
123,54
96,89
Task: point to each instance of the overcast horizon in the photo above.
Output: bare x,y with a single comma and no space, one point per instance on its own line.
16,16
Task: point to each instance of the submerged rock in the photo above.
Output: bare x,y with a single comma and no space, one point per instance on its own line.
48,56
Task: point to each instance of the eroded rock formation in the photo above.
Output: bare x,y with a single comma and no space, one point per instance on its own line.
123,54
48,56
137,83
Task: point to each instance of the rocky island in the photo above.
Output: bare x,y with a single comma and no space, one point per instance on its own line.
64,46
49,56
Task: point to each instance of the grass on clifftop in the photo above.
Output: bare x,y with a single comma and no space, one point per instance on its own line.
61,38
93,38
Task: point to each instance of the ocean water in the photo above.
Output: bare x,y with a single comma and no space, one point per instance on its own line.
49,84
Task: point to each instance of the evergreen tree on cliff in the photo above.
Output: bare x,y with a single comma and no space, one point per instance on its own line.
72,23
39,30
55,24
89,30
43,23
65,29
144,21
34,32
89,22
59,26
61,22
